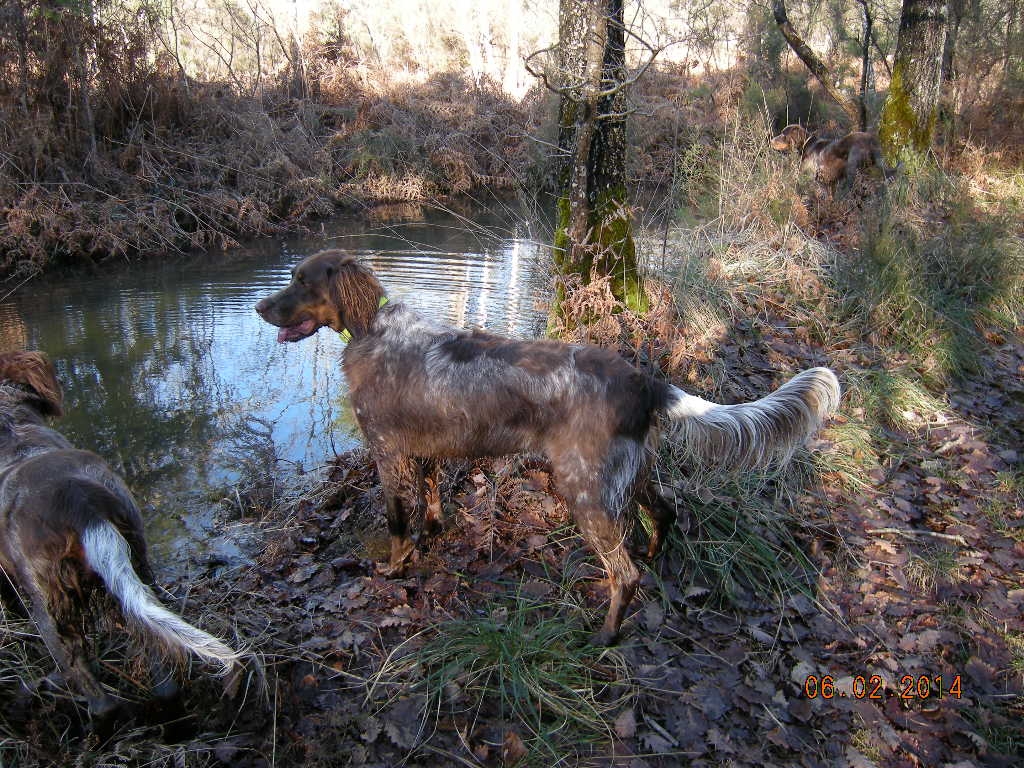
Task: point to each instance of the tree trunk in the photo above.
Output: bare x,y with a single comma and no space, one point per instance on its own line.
956,15
1012,46
865,65
593,236
912,108
812,62
21,35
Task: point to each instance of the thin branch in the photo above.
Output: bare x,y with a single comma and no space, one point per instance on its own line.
908,533
812,62
541,75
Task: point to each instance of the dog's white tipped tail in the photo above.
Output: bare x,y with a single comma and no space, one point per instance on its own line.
754,435
109,555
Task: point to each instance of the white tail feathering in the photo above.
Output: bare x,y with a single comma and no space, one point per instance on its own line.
753,435
109,555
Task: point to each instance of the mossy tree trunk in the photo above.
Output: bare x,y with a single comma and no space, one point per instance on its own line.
912,107
594,230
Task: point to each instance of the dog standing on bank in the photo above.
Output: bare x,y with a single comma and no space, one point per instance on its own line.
833,160
423,390
67,521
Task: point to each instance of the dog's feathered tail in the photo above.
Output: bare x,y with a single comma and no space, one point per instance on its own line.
108,553
752,435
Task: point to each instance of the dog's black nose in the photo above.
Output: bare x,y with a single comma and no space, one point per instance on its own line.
261,306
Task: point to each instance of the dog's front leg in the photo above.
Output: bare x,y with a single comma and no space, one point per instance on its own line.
854,160
402,480
432,512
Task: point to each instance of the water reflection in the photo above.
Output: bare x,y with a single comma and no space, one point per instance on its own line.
170,374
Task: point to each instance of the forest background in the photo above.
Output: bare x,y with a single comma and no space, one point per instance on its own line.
148,127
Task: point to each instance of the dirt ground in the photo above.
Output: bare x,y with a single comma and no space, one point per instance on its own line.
906,649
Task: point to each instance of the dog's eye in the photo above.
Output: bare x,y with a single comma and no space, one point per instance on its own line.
300,278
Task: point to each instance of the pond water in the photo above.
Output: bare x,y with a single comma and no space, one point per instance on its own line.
172,377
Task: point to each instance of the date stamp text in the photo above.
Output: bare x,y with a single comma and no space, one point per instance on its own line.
877,688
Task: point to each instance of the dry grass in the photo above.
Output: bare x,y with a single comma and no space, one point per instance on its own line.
209,169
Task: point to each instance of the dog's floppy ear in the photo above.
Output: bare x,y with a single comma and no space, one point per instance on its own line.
796,133
792,137
35,371
356,294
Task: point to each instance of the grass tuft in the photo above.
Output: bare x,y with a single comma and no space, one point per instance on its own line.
851,458
893,398
525,665
932,567
745,534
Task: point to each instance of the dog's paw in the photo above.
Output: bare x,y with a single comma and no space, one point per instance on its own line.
105,712
604,638
394,570
55,682
402,551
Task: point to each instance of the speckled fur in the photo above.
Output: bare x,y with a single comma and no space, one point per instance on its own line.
423,390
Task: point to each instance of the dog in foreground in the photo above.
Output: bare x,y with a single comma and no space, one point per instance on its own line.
423,390
833,160
66,521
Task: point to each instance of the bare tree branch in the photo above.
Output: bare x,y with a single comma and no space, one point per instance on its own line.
812,62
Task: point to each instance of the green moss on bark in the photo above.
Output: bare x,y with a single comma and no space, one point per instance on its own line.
561,239
611,250
616,249
901,130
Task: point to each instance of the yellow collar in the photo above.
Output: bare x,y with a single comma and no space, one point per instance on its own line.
346,334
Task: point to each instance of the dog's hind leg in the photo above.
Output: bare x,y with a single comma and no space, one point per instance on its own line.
161,677
607,537
66,644
663,515
161,674
597,480
402,480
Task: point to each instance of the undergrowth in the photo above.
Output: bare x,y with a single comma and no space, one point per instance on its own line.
522,665
745,539
194,170
898,287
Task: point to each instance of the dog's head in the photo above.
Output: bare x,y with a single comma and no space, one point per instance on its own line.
34,372
331,289
792,138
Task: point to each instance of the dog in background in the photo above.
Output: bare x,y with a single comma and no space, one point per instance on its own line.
67,522
422,390
833,160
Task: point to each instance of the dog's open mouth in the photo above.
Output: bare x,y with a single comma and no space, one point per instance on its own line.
297,332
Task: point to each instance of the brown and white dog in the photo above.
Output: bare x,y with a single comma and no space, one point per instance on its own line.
833,160
67,521
423,390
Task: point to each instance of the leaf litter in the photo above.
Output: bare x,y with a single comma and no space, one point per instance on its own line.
917,584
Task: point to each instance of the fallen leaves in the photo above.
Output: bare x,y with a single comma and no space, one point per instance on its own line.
712,685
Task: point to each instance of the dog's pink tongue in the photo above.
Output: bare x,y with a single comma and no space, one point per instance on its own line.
296,332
